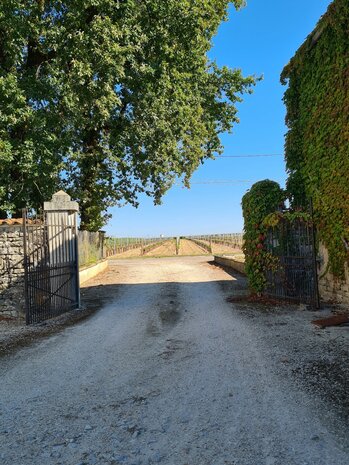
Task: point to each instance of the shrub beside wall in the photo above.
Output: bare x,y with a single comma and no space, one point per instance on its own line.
91,247
263,198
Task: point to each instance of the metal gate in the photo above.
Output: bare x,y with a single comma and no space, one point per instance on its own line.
294,274
51,268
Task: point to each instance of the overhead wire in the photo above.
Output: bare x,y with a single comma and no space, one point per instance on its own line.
252,155
233,181
222,181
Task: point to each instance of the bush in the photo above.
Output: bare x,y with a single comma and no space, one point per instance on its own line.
263,198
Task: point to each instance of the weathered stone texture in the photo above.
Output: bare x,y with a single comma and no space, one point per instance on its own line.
11,271
332,289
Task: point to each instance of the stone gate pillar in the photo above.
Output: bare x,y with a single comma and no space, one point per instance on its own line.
61,220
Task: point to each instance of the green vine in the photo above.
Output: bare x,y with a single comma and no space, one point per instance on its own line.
261,200
273,219
317,143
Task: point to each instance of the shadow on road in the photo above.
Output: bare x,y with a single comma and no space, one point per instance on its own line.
97,296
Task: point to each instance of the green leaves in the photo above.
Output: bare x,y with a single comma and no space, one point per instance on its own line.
317,155
260,202
109,99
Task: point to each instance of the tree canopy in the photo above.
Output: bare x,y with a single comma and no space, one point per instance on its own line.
109,99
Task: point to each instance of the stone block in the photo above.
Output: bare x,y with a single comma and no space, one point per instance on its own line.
15,258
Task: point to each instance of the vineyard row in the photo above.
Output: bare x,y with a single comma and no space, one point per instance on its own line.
118,245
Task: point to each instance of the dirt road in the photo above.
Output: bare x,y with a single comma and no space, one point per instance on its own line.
166,249
168,372
186,248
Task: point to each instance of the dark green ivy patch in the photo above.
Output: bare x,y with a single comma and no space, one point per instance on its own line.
317,143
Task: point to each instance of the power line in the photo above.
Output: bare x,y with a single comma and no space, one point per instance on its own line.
252,155
222,181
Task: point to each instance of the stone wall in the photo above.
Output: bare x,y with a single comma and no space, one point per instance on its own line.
11,271
231,263
330,288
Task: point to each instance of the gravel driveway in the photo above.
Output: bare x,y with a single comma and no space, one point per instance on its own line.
169,372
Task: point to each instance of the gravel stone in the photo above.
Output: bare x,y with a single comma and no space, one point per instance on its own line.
167,371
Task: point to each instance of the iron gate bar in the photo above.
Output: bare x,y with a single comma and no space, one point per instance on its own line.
293,244
317,292
51,268
26,273
56,292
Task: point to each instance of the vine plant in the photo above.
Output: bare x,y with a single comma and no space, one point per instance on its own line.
263,209
263,199
317,143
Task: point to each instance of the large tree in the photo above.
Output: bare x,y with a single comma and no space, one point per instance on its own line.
30,161
110,98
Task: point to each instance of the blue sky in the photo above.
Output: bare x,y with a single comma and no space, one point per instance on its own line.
260,39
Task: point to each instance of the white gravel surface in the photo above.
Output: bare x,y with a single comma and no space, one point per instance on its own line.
169,372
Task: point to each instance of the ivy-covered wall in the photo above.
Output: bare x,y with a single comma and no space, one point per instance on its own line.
317,143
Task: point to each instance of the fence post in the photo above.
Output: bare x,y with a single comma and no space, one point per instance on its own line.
102,244
61,217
